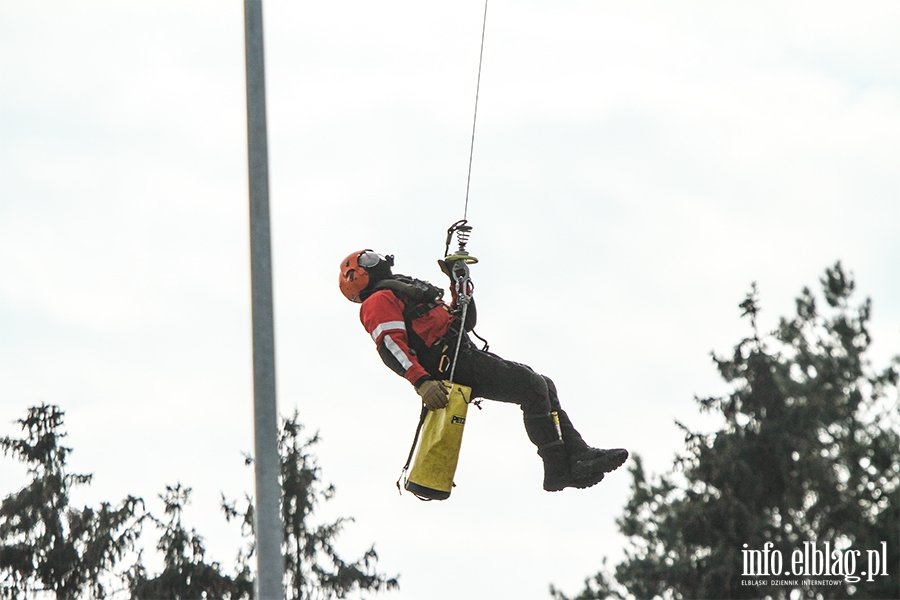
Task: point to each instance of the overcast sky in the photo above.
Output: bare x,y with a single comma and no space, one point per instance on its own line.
636,167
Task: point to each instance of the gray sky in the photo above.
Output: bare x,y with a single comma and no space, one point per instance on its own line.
636,168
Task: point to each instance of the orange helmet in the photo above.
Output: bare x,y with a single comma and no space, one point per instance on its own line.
354,278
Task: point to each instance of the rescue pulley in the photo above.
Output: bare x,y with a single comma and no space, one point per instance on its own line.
459,272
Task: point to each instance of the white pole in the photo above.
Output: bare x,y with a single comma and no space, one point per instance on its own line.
270,562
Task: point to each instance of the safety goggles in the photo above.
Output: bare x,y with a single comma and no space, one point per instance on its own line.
368,259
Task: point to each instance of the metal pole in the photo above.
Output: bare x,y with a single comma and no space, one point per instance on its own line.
269,532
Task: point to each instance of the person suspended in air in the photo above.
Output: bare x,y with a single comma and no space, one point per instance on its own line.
416,333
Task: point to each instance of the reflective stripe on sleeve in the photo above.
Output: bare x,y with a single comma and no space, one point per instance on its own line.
397,352
389,326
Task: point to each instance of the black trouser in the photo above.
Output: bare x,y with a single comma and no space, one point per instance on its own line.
495,378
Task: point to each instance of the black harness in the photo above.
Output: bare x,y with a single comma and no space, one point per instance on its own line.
419,298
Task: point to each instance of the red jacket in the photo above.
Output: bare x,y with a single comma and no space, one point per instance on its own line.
382,316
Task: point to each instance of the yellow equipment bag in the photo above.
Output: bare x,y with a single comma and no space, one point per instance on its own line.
437,453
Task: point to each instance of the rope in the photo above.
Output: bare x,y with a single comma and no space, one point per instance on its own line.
475,116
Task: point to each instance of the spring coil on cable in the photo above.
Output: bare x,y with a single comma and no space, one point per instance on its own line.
462,232
462,236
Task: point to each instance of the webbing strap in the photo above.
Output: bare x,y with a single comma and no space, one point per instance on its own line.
412,448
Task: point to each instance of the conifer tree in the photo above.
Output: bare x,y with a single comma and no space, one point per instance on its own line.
809,453
46,544
48,547
186,574
313,568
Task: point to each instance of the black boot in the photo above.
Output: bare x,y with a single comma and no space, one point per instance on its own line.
556,466
587,465
586,473
542,432
598,459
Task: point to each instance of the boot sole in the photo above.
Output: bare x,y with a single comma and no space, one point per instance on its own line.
582,484
589,469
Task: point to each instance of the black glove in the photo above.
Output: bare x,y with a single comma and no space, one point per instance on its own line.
446,268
